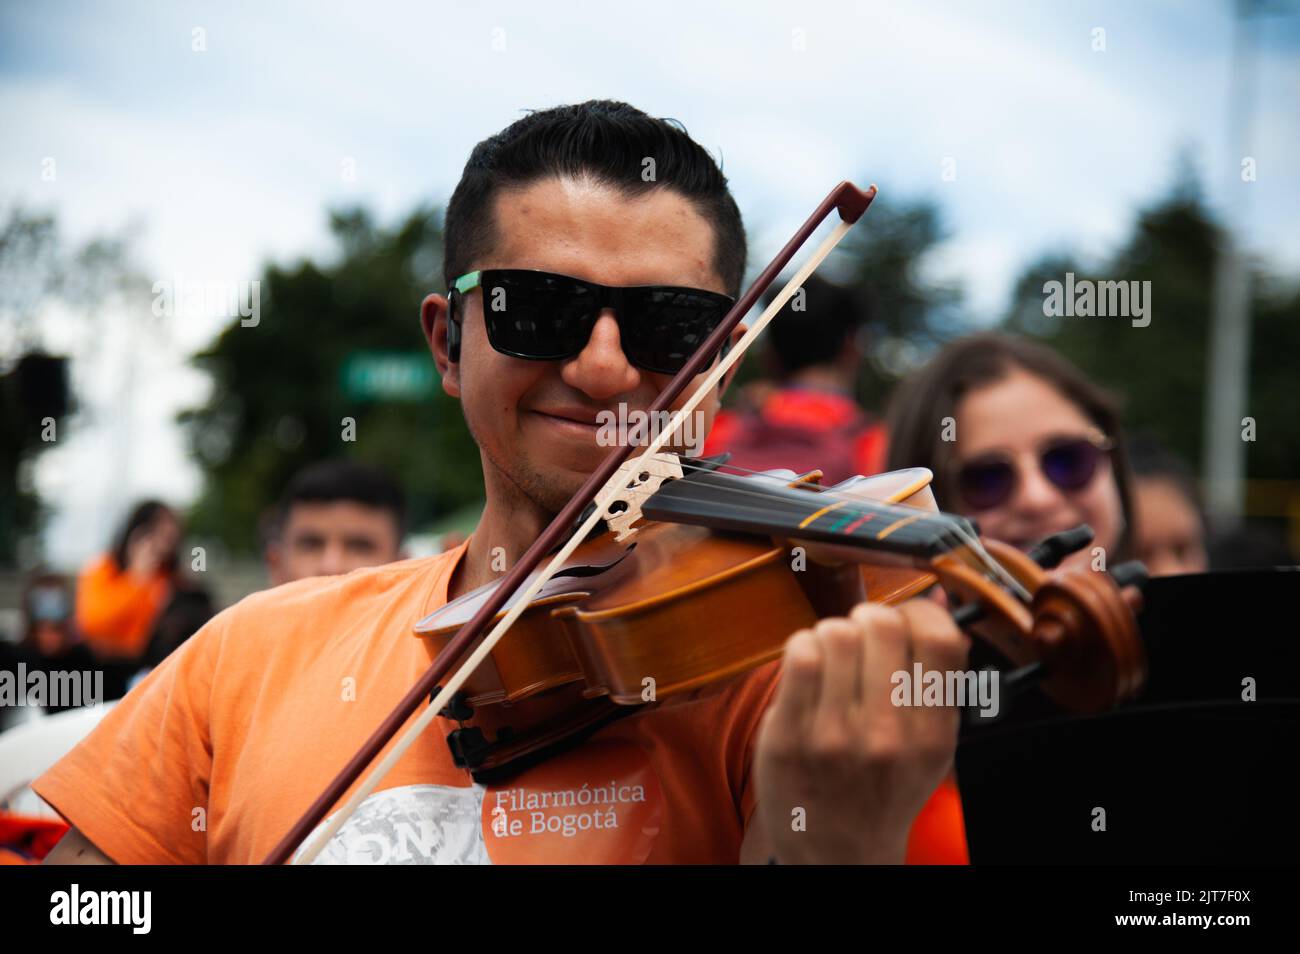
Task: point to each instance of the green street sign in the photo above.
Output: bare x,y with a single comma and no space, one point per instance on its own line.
388,376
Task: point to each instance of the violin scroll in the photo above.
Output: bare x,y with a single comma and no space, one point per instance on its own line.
1078,625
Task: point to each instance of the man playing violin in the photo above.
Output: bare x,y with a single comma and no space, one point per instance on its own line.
620,231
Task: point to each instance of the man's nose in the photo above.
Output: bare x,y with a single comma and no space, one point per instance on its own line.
333,559
601,370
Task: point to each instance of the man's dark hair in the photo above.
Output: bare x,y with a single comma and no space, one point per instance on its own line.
183,616
1150,457
600,140
329,481
817,334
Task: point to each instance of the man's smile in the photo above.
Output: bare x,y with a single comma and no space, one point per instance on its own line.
575,422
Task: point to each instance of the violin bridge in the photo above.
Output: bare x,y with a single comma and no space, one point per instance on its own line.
636,481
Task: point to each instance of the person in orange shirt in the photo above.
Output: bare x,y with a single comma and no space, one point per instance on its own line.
121,594
802,760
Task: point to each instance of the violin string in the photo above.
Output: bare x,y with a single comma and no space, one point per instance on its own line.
855,506
852,506
976,546
973,542
904,534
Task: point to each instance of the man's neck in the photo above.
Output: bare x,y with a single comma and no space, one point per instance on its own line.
508,527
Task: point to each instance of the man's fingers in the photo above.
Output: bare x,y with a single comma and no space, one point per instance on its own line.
789,717
888,650
837,681
939,646
842,646
937,643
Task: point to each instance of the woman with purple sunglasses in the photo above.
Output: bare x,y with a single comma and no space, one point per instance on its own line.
1021,441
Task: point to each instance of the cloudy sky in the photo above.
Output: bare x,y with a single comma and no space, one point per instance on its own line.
225,131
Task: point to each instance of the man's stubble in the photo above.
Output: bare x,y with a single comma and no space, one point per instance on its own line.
525,485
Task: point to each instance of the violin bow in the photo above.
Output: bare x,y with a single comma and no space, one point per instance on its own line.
600,488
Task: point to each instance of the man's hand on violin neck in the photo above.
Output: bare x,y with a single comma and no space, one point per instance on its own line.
841,770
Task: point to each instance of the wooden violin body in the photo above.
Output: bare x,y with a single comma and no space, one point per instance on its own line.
678,607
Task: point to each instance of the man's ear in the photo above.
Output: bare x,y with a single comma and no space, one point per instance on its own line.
443,341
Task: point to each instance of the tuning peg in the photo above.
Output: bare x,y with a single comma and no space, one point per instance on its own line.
968,614
459,707
1132,573
1049,553
1026,677
1012,684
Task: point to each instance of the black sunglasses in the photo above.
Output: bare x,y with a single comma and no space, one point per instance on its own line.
542,316
1070,464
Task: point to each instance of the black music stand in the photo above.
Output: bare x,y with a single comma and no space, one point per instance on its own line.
1188,774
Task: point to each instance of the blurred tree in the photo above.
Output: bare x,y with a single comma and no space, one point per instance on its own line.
913,312
91,284
888,257
279,397
1160,369
884,259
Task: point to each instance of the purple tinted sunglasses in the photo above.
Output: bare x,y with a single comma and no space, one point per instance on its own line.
1070,463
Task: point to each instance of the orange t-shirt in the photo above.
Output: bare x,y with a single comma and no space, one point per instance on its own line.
222,747
116,611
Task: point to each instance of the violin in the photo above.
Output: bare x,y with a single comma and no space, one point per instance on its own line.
701,576
654,582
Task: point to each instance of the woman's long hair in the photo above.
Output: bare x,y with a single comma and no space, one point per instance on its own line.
923,400
143,515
